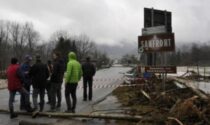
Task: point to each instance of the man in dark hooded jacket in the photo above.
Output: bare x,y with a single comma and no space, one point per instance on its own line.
39,74
56,81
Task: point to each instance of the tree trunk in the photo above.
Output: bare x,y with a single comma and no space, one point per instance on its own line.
71,115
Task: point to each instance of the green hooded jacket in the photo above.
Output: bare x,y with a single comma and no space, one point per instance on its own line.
74,70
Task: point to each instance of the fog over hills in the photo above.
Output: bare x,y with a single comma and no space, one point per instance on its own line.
117,51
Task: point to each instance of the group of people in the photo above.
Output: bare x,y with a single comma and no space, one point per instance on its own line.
48,77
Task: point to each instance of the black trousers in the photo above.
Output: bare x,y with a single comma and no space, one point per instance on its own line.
23,100
87,82
55,91
70,89
41,93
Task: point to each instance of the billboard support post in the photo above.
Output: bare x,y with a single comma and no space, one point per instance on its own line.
157,40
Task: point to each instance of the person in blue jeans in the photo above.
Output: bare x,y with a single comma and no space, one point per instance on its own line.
15,77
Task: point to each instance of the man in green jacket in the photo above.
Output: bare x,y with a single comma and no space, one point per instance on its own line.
73,76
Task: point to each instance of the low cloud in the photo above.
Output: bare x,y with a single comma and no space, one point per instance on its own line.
108,21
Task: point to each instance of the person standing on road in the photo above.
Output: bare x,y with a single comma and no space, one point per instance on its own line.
73,76
88,72
15,77
39,74
25,68
48,86
56,81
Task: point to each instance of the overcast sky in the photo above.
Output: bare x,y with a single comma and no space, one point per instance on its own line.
109,21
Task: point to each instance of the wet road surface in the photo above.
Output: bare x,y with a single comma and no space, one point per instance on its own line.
105,81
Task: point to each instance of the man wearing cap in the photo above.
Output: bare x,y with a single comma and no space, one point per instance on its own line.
25,68
39,74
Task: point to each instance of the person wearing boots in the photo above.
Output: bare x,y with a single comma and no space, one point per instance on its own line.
73,76
39,74
15,78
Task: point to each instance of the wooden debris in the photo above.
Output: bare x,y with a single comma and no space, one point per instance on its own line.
190,85
174,106
175,119
24,122
145,94
182,104
72,115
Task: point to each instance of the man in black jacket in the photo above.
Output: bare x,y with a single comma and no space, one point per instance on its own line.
88,72
56,81
39,74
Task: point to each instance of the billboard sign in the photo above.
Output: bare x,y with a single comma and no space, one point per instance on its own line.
157,42
161,69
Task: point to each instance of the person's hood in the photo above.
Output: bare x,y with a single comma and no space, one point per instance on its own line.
72,56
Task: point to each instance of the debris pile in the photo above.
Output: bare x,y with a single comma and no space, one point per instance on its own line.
171,103
192,75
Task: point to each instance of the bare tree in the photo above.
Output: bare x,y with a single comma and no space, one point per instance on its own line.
16,40
32,37
4,47
85,47
57,35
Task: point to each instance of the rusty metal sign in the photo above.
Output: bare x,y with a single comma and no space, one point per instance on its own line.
157,42
161,69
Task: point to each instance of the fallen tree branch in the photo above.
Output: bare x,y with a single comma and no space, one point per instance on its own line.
23,122
174,106
71,115
145,94
175,119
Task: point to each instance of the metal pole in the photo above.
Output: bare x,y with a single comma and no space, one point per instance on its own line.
198,71
1,65
164,57
204,70
152,24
